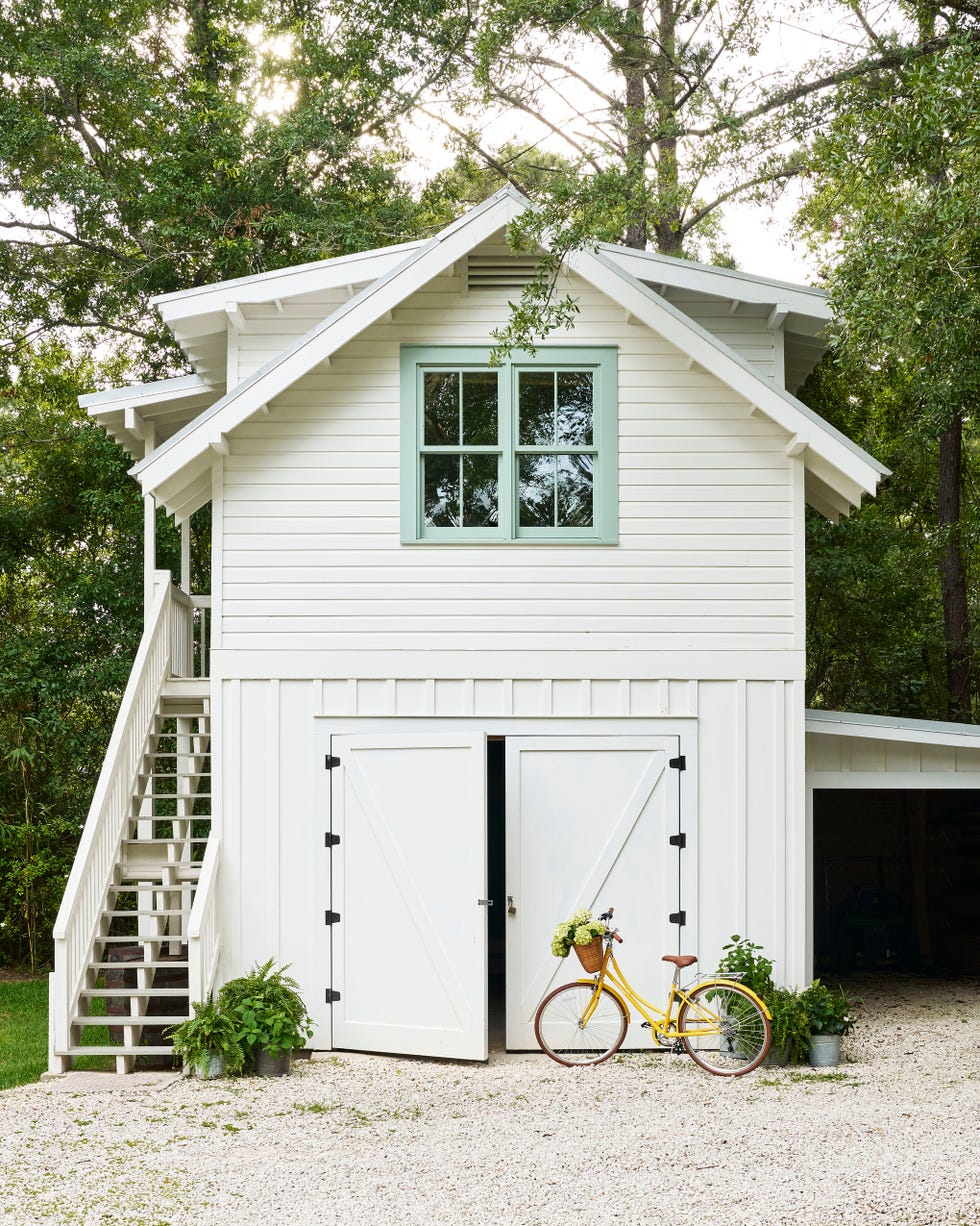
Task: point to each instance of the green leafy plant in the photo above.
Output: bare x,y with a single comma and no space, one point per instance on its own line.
742,959
268,1011
210,1032
790,1022
581,929
829,1011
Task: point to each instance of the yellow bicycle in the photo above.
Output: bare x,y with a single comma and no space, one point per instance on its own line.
722,1025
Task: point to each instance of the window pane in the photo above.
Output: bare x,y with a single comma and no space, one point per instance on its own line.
480,407
441,408
536,492
479,491
536,399
441,491
575,491
575,408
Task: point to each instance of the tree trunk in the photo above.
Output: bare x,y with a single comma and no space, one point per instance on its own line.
952,570
637,144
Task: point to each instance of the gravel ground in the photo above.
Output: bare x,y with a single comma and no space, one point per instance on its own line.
890,1137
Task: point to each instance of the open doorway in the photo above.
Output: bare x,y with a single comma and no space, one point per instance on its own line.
896,880
496,885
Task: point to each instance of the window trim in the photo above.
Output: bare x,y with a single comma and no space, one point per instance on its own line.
601,360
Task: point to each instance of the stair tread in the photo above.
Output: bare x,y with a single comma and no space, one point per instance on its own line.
117,1049
127,1019
175,963
139,993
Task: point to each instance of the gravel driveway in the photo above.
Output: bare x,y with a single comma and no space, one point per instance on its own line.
893,1136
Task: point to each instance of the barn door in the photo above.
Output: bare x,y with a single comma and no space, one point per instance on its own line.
409,950
589,823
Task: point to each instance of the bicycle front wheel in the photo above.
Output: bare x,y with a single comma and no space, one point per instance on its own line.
723,1029
564,1035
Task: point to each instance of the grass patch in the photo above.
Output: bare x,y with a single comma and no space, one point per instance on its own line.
23,1031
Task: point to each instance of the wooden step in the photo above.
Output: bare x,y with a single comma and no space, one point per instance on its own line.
130,938
96,993
120,1020
177,963
119,1049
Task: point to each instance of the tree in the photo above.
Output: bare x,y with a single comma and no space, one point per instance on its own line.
895,195
148,147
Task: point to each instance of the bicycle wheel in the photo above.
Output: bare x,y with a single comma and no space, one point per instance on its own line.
730,1033
559,1030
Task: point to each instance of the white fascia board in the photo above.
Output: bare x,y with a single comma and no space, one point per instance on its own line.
648,266
347,322
890,728
143,394
283,283
718,359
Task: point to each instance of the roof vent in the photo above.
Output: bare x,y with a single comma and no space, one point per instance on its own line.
499,272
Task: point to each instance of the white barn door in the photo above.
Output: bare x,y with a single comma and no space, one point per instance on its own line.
589,821
409,951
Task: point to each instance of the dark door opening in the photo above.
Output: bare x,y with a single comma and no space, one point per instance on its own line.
896,880
496,885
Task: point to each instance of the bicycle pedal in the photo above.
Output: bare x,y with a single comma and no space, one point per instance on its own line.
646,1026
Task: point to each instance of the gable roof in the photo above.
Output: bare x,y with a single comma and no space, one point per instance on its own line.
838,472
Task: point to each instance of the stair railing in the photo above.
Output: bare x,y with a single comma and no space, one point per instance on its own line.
106,826
191,634
203,937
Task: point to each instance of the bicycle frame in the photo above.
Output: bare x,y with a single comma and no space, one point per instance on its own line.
662,1022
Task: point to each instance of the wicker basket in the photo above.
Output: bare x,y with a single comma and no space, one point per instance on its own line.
590,955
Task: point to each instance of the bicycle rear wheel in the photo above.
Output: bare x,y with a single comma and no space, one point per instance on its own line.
730,1034
562,1034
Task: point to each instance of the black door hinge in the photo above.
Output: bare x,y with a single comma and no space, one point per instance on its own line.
332,996
331,917
331,840
678,840
331,762
679,918
678,764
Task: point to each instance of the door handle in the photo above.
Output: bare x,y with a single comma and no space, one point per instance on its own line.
511,908
484,902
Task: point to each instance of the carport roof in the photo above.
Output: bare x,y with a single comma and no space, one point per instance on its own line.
890,728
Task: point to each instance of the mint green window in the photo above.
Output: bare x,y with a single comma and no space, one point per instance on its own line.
523,451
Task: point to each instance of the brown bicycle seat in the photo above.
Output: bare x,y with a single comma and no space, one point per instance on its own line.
680,960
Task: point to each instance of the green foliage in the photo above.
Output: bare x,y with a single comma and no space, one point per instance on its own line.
210,1032
23,1031
148,147
269,1012
790,1022
581,929
70,524
829,1011
746,960
895,203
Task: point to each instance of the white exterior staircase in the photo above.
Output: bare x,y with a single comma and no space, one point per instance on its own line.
136,938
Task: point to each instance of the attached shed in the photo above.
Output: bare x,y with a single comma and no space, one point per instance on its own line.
894,810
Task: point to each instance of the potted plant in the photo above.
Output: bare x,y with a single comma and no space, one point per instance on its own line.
829,1018
581,933
746,961
208,1042
790,1026
271,1019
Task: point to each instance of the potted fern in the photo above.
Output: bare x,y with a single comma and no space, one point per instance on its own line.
207,1043
270,1016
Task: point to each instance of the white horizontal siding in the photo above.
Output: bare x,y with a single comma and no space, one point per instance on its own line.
744,329
311,557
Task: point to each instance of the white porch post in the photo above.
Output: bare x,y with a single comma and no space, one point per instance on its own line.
185,555
149,530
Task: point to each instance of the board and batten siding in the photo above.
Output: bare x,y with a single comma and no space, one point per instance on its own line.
745,745
710,520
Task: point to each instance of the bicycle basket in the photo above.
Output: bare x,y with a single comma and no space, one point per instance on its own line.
590,955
